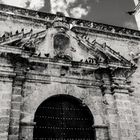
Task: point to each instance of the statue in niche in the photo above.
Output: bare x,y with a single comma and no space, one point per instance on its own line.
61,46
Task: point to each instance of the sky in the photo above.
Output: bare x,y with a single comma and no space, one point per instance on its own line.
113,12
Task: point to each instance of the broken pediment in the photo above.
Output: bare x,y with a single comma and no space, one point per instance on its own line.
22,40
102,52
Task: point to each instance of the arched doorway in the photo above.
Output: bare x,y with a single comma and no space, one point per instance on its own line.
63,117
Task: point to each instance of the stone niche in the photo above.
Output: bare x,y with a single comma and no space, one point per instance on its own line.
61,42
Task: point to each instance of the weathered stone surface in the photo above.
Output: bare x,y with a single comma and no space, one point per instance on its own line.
14,130
3,128
15,113
15,105
5,106
16,98
4,112
4,136
13,137
32,70
102,133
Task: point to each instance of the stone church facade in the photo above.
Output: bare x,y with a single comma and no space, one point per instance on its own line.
65,78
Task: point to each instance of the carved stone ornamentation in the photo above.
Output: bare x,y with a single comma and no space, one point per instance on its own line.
62,76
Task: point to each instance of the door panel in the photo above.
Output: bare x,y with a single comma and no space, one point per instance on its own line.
63,117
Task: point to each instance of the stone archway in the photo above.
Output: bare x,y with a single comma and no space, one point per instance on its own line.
63,117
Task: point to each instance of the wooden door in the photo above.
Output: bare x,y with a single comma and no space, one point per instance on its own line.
63,117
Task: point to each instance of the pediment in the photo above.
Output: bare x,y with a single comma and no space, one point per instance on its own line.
65,45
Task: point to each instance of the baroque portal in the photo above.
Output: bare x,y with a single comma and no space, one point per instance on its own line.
65,78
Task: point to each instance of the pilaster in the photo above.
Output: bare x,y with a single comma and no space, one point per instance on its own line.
112,118
16,99
121,93
5,102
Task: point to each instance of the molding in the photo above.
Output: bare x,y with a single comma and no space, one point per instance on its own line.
7,73
47,79
100,126
17,54
47,61
10,49
115,32
44,18
28,123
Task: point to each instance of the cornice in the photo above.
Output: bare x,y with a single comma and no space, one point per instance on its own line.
20,53
45,18
19,57
7,76
118,32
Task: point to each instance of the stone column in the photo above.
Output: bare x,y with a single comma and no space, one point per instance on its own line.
16,107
